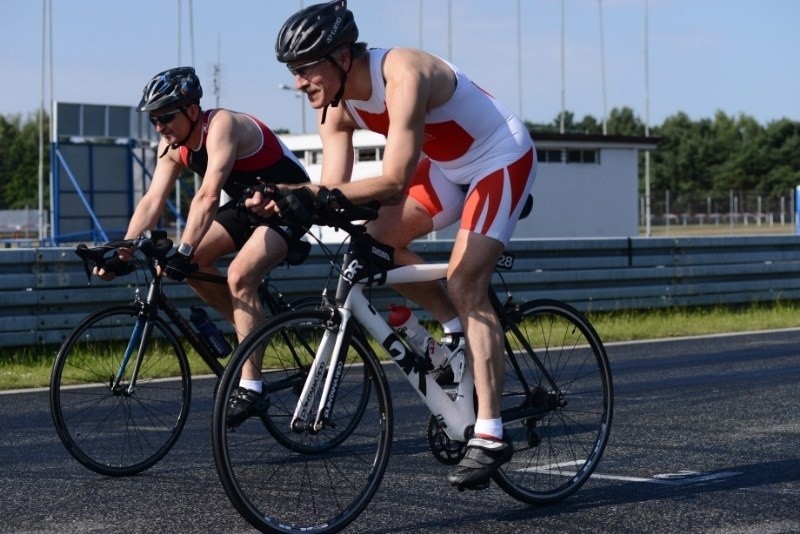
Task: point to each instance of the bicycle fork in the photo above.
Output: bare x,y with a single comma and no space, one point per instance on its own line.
329,356
141,332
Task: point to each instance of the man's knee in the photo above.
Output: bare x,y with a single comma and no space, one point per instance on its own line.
240,282
465,294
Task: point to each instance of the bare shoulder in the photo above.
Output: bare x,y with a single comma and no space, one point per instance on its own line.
223,118
405,59
235,127
402,64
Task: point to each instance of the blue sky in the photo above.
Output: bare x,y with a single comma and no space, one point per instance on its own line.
737,56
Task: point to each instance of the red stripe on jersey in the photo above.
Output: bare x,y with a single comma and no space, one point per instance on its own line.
422,190
485,197
376,122
518,173
270,152
446,141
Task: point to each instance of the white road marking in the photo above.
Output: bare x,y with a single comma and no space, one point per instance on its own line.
681,478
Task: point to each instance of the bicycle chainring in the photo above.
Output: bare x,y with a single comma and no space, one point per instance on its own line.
445,450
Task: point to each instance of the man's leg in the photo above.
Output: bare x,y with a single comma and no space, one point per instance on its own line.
264,250
470,272
469,275
261,253
215,244
397,226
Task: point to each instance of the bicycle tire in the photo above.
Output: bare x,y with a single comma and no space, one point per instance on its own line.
556,451
116,432
311,481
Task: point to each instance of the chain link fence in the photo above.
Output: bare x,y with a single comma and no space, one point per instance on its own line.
736,212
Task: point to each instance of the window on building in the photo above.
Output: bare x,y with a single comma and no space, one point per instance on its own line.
568,155
367,154
548,156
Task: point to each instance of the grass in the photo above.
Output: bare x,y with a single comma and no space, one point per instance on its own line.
658,324
30,366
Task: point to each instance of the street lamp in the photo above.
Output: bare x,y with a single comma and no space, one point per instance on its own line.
300,95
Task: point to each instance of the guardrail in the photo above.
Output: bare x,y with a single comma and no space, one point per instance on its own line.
44,291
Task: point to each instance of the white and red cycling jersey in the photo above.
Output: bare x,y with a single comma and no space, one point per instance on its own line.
479,163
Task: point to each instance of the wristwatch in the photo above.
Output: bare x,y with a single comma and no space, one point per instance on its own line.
185,249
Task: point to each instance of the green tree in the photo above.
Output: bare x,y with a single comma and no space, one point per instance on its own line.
622,121
19,161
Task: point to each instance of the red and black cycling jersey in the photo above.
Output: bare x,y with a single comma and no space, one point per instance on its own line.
273,162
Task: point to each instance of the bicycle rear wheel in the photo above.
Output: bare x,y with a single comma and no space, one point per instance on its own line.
291,480
110,429
559,434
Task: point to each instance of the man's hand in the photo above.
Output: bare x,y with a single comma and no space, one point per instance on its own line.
121,264
178,266
262,204
299,206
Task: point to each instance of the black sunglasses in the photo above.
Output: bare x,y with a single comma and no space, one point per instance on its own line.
302,70
165,118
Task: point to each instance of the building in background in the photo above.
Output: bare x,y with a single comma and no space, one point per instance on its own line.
586,186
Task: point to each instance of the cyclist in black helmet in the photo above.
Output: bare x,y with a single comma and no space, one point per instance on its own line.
453,153
231,151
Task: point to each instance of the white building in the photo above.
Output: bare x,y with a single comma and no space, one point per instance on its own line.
586,185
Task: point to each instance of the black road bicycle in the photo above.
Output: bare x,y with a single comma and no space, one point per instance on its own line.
120,386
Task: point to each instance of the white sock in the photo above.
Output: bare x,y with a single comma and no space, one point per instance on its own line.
252,385
453,326
489,427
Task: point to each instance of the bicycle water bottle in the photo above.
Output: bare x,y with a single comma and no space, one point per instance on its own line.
402,319
208,330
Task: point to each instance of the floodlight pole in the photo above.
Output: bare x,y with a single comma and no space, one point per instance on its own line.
298,94
647,231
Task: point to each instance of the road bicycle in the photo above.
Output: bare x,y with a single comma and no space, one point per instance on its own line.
120,386
557,398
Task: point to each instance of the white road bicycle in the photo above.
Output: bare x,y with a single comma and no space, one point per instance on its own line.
319,463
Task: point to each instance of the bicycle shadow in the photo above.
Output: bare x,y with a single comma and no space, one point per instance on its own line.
599,495
603,494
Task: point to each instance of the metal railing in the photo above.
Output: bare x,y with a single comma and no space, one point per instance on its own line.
44,291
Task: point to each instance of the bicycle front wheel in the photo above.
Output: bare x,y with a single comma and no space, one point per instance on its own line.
119,428
285,478
559,429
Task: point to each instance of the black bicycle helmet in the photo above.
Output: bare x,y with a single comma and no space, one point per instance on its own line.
172,88
315,32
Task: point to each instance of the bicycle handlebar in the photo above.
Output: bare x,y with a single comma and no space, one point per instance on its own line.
154,244
331,208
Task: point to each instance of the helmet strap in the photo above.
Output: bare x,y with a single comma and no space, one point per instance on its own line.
182,142
343,81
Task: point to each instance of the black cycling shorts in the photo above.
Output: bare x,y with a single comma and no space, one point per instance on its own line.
240,227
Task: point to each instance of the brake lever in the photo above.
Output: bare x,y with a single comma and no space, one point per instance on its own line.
85,260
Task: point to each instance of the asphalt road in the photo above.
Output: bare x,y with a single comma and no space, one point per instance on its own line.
704,439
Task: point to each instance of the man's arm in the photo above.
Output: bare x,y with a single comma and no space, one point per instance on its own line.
337,147
221,146
151,205
407,91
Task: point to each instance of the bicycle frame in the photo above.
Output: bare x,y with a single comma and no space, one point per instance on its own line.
456,415
154,301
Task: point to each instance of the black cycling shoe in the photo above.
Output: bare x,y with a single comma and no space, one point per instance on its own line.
482,460
243,404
